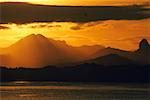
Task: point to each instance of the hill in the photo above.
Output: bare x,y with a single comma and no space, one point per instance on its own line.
112,60
142,55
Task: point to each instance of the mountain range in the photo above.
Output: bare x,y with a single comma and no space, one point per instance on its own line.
36,51
140,56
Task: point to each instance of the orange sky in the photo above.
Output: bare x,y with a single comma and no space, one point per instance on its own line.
114,33
108,33
83,2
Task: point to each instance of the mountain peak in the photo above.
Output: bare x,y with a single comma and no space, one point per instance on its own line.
31,35
35,36
32,40
144,45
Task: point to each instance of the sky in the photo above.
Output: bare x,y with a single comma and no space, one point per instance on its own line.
121,28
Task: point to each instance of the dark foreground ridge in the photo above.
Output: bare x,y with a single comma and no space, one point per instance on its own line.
80,73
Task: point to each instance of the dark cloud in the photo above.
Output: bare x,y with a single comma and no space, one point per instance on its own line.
27,13
4,27
77,27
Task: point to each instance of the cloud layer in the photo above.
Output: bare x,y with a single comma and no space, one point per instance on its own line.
28,13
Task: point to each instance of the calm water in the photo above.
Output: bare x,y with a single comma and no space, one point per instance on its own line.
73,91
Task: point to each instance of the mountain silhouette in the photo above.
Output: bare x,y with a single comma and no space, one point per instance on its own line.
112,60
37,50
144,52
39,59
144,46
142,55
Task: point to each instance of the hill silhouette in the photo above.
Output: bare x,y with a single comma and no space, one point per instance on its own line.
80,73
144,52
112,60
142,55
37,50
34,52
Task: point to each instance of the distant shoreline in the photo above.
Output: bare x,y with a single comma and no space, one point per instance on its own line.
80,73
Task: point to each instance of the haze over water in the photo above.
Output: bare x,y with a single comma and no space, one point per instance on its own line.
73,91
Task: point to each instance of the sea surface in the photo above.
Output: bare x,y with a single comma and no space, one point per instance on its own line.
21,90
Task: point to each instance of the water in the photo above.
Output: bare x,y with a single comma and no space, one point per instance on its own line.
73,91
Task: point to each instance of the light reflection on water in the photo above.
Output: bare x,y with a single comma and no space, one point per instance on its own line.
73,91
